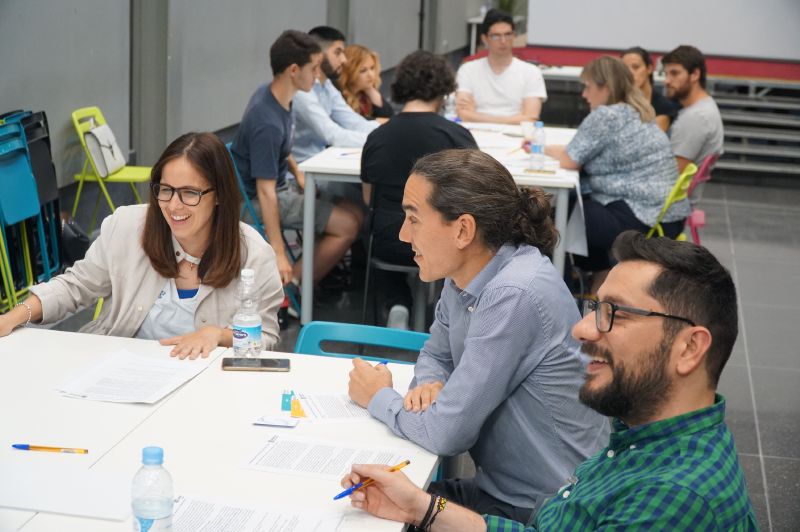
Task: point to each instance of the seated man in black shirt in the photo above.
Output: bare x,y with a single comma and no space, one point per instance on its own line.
421,83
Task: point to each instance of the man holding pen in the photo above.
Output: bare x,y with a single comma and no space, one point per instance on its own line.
659,337
500,373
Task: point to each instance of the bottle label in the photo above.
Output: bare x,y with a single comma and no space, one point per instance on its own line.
247,337
536,149
142,524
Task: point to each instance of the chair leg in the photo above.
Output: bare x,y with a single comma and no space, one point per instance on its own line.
135,194
77,197
94,214
46,273
108,198
5,273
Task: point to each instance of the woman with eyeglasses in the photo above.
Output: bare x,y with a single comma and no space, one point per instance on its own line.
638,61
168,270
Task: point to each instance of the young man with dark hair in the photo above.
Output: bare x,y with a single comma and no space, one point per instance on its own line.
262,152
323,117
697,131
499,87
658,337
500,373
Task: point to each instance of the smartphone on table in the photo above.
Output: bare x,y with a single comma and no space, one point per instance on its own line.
255,364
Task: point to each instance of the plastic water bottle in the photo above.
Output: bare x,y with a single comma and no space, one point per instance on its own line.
247,341
151,493
450,112
537,147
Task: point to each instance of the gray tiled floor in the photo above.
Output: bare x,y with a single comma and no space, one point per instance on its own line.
753,232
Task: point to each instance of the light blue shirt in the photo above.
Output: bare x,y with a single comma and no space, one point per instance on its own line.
512,371
627,159
323,118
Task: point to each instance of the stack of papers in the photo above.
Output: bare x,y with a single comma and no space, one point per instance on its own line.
124,377
192,514
320,459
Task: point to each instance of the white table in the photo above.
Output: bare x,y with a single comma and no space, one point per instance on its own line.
205,427
344,165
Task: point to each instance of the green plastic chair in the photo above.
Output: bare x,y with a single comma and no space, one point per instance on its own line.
309,342
84,119
680,191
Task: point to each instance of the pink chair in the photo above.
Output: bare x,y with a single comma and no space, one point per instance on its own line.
697,220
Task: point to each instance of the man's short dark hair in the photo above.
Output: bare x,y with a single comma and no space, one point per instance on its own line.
325,35
692,284
424,76
493,16
689,58
292,47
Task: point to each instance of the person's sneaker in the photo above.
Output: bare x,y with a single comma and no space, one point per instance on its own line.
398,318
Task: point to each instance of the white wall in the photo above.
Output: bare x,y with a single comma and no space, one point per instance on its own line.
390,27
767,29
218,53
59,56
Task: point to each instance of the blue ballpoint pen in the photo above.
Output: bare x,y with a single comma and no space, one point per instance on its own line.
368,481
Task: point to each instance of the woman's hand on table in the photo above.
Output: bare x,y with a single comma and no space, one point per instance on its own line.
199,343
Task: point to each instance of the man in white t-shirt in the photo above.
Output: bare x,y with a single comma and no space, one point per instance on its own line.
499,88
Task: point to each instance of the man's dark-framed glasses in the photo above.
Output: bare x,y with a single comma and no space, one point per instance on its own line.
605,311
188,196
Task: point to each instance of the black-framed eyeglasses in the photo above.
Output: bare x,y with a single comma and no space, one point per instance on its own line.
496,37
605,311
188,196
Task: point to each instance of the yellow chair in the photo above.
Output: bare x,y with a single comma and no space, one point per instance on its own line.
679,192
83,120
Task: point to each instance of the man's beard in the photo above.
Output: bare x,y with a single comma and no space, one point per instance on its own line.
328,70
629,396
681,92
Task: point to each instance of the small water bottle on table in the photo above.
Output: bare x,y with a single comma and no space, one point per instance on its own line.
151,493
537,162
247,340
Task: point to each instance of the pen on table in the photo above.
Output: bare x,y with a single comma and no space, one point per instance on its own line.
384,362
27,447
368,481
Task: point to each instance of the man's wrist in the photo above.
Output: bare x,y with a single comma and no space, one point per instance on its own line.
422,503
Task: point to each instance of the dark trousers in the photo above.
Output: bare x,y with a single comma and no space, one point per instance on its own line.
465,492
604,223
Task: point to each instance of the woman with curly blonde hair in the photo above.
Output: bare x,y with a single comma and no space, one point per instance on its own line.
360,80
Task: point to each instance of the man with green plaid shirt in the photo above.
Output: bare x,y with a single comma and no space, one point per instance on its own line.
658,337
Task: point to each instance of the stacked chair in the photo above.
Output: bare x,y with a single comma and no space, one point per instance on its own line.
28,192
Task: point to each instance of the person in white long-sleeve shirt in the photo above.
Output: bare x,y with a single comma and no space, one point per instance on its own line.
322,117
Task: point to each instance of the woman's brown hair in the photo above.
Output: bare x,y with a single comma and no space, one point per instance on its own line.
473,182
222,260
356,56
611,72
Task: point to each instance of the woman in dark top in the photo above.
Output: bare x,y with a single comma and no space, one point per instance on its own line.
359,82
421,83
640,64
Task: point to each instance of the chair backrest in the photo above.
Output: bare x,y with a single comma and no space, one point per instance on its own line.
19,198
83,120
37,134
680,191
313,334
704,172
248,205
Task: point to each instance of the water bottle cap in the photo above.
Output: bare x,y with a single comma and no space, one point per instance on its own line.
248,273
152,456
539,123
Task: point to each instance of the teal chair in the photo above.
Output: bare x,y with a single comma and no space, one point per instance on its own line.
309,342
